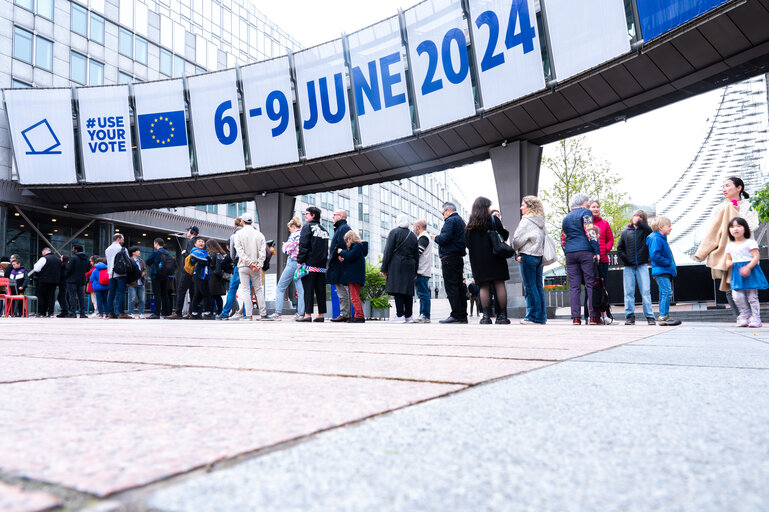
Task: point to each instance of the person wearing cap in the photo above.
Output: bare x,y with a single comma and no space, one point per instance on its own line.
251,248
74,274
185,280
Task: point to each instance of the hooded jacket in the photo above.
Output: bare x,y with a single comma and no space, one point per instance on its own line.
95,277
76,268
313,245
354,264
660,255
632,249
529,238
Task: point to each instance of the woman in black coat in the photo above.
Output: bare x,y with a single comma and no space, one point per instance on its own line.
399,266
487,268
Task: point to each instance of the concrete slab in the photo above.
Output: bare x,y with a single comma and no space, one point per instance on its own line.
105,433
19,368
572,436
16,499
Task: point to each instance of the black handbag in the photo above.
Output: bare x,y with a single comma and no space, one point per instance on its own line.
499,248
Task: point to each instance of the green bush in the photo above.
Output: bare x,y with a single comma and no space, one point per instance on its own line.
760,203
374,288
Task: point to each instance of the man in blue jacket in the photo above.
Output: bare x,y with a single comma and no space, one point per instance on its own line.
451,250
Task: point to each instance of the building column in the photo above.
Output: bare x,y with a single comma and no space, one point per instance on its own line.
274,211
3,229
516,173
104,232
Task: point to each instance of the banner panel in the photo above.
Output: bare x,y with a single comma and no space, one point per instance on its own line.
215,115
323,101
660,16
379,83
507,52
440,63
105,134
162,129
268,104
40,121
585,34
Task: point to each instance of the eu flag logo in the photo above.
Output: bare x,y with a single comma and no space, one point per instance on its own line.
162,130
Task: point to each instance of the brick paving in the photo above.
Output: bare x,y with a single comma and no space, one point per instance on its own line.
100,406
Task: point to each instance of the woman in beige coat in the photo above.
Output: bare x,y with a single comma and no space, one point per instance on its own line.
712,249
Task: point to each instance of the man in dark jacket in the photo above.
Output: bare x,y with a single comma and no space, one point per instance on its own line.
48,270
74,274
634,254
184,280
451,250
335,267
160,277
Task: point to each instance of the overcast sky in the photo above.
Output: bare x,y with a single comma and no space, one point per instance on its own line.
648,151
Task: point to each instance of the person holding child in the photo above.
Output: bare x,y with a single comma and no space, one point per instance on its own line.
746,276
354,270
663,266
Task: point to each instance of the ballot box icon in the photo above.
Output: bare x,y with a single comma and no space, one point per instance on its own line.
41,139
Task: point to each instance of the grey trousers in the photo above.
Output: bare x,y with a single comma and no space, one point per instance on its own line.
345,306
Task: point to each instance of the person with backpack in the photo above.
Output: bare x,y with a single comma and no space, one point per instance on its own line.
184,282
201,277
99,280
117,254
162,268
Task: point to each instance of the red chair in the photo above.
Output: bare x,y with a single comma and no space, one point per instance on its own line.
10,300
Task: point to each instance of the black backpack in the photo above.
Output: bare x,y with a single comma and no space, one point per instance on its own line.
126,266
266,265
600,295
167,265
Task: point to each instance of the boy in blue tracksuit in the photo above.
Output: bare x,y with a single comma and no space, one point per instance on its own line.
663,266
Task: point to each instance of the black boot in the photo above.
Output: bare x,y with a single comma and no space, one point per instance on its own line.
502,318
485,319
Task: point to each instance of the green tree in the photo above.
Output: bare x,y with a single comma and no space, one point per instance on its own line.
576,170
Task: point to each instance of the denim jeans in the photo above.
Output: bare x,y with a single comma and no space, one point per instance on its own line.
136,292
231,293
423,292
531,274
666,293
101,301
631,275
116,295
285,279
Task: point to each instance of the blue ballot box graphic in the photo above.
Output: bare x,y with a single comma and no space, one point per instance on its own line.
41,139
162,130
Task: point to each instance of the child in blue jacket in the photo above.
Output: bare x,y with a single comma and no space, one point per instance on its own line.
663,266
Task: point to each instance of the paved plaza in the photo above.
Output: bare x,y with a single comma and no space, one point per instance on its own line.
195,416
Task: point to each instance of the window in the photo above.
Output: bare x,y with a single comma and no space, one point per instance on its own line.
178,66
96,72
166,62
126,43
97,28
141,50
18,84
124,78
236,209
209,208
309,199
365,234
344,204
384,243
44,54
328,225
384,195
22,45
27,4
77,68
327,200
395,201
363,213
45,9
79,24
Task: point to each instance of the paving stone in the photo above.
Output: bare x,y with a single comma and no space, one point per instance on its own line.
16,499
104,433
20,368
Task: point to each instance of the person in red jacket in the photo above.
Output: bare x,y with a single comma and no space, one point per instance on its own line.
606,243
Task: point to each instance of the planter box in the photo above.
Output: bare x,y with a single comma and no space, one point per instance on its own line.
375,313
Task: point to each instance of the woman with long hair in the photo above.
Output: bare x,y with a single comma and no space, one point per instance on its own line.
313,255
488,269
712,249
529,242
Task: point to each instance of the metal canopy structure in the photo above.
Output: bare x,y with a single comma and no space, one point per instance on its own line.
729,44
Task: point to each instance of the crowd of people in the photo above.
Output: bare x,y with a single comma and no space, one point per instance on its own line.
315,258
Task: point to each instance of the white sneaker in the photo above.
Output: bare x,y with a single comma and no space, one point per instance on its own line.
93,315
236,316
398,319
142,317
421,320
409,320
